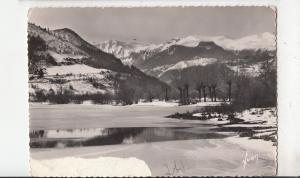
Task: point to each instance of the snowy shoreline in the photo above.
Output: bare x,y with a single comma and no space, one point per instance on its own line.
254,123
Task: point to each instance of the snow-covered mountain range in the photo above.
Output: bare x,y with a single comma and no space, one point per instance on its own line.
134,53
253,42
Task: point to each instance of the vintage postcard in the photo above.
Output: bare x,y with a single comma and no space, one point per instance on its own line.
153,91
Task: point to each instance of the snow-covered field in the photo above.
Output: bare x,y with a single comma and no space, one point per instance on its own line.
233,155
77,78
73,69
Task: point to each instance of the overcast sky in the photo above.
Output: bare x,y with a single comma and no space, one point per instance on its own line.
156,25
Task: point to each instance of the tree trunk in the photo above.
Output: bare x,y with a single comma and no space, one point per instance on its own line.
214,93
166,94
204,94
183,96
210,93
229,91
180,95
187,94
199,94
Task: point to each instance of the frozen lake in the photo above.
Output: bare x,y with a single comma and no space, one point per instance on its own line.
71,116
168,146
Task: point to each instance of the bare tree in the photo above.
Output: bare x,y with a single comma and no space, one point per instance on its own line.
187,97
268,77
228,76
210,92
180,89
166,93
214,94
203,91
229,83
199,89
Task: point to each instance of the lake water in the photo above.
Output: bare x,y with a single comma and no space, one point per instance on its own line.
110,136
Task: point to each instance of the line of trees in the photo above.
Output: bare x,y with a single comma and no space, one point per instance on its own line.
217,82
206,81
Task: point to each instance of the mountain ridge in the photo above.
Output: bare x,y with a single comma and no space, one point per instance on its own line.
263,41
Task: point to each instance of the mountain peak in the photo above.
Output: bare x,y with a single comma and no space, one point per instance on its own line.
207,43
65,30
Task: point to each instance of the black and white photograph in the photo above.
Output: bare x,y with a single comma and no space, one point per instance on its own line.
152,91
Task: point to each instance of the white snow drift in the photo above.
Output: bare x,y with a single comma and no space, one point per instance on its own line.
101,166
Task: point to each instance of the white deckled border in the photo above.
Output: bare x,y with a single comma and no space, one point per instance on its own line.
13,71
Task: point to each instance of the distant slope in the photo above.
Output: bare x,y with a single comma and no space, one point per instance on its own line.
206,52
177,53
67,42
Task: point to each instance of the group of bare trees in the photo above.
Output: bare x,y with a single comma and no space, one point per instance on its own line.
209,82
184,97
204,91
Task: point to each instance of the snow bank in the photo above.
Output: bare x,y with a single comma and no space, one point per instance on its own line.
260,146
175,103
267,115
101,166
207,104
202,157
156,103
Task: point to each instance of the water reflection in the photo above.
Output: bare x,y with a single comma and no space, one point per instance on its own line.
110,136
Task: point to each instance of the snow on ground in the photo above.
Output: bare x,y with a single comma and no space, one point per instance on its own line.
267,115
255,117
174,103
71,78
193,62
203,157
101,166
73,69
257,122
209,103
156,103
82,87
78,87
253,70
197,61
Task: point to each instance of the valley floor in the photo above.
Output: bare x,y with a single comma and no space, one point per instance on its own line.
233,155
